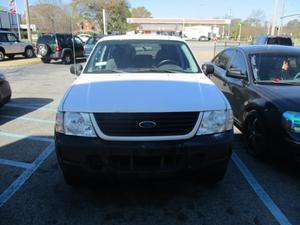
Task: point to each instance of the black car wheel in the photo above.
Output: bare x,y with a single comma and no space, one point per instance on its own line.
29,53
43,50
45,60
67,59
255,134
2,55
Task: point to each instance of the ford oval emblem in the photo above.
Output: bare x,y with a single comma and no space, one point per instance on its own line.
147,124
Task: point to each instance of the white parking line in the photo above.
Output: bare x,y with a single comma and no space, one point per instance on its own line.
21,136
20,181
43,108
8,162
26,118
261,193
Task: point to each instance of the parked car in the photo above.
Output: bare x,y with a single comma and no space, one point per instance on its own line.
273,40
59,46
84,37
141,105
262,85
10,46
5,91
90,43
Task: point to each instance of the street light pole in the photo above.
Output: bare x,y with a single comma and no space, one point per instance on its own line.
240,32
282,16
274,20
28,20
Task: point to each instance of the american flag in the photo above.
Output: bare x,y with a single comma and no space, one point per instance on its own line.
12,3
12,11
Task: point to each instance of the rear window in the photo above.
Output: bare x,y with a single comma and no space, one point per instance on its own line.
280,41
46,39
93,40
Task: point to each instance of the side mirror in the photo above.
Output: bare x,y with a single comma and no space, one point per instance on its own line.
76,69
208,69
235,73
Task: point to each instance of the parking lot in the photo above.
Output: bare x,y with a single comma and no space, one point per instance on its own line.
32,189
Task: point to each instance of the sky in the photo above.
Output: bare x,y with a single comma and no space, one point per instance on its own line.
200,9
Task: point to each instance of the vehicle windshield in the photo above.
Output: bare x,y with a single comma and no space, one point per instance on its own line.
130,56
280,41
276,68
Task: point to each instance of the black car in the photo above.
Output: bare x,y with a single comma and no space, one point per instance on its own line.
5,91
59,46
262,84
273,40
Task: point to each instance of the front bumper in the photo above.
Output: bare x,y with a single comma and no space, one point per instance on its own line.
97,155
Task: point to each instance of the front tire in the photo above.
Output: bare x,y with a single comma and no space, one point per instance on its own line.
29,53
67,59
255,135
2,55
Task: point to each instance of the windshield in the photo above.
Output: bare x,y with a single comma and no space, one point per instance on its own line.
276,68
141,56
280,41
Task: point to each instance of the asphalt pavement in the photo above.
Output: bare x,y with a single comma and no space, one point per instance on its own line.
32,189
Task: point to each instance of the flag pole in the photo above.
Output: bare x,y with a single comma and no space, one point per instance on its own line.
18,22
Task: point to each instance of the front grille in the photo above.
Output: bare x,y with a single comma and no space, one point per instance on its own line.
127,124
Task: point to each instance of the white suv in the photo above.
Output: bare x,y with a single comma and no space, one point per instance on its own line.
141,105
11,46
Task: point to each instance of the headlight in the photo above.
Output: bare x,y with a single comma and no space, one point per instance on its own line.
216,122
291,121
77,124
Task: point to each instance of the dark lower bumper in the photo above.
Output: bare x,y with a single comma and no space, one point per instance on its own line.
5,92
94,154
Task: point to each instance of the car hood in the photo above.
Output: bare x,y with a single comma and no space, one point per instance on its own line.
287,98
143,93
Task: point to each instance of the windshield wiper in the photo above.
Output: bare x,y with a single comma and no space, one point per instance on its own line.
154,70
111,71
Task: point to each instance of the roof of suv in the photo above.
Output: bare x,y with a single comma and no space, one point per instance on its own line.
141,37
268,49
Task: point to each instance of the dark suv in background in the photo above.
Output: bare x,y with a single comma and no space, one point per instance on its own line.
59,46
273,40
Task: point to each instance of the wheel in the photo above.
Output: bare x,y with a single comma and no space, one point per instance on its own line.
43,50
11,56
71,174
67,59
29,53
216,173
2,55
255,134
45,60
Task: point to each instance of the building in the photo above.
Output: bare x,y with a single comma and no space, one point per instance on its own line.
205,27
8,21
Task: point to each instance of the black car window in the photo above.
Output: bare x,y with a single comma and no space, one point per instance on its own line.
11,38
3,38
279,41
239,62
46,39
222,60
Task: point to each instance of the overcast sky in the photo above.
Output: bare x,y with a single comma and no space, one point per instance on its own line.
200,8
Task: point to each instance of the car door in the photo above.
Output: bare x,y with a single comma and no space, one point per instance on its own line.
221,62
4,43
238,86
15,45
78,47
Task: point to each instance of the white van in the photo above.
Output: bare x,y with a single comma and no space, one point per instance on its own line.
142,106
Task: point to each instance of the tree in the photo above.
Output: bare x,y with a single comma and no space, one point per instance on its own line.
50,17
117,11
140,12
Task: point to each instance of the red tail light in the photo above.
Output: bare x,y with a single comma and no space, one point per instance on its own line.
58,48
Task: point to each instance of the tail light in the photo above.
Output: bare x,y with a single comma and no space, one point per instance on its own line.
58,48
84,48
